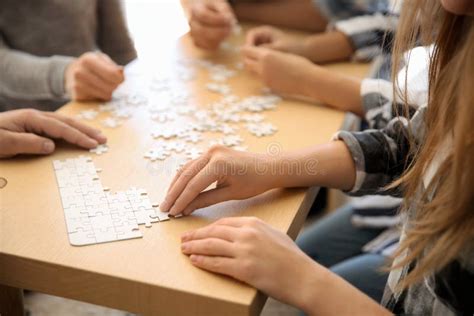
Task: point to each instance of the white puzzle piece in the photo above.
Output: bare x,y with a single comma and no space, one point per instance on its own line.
100,149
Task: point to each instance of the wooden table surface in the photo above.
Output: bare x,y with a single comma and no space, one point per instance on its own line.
149,276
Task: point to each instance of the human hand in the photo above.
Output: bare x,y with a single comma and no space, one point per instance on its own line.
30,132
210,23
283,73
272,38
251,251
232,170
93,76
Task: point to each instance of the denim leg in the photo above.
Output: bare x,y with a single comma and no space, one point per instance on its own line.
334,239
364,272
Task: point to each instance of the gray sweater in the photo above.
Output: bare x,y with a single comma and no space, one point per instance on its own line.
39,38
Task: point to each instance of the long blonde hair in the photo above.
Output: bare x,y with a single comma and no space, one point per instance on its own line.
443,223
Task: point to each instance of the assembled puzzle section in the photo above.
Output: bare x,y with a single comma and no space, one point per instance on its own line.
94,215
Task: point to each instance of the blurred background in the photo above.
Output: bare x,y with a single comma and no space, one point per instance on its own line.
154,25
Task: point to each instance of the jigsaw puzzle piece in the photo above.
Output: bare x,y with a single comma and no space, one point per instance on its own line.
63,164
97,209
70,191
126,228
162,216
73,201
145,217
129,234
101,222
95,199
105,235
67,181
92,188
75,224
82,238
75,212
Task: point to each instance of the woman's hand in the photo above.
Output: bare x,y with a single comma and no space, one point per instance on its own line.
283,73
239,175
272,38
30,132
251,251
210,23
93,76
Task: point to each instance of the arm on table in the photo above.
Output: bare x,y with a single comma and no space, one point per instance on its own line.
302,15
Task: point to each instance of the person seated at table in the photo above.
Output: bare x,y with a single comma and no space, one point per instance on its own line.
335,241
348,241
28,131
55,51
355,29
428,159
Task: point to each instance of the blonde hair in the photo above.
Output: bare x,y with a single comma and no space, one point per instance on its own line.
443,222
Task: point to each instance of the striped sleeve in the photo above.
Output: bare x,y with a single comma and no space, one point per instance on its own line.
381,156
371,34
379,105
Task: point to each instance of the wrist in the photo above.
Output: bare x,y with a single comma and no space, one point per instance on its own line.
313,278
309,49
58,75
311,80
286,169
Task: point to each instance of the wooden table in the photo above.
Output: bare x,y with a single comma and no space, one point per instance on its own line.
149,276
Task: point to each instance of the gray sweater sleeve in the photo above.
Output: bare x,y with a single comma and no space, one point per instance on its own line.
113,36
29,77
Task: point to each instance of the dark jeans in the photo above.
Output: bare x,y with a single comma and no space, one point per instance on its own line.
336,244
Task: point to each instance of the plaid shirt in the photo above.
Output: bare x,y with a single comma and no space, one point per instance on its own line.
381,156
370,25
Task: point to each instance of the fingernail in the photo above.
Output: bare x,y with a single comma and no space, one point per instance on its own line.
102,138
91,143
164,206
184,247
185,236
172,211
48,147
193,258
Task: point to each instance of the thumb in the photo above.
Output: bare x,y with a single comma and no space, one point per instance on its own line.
26,143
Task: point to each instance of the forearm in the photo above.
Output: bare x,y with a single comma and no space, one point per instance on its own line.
301,15
329,165
328,47
337,90
325,293
24,76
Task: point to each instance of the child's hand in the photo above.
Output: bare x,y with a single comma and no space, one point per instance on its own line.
210,22
239,175
251,251
93,76
281,72
272,38
20,130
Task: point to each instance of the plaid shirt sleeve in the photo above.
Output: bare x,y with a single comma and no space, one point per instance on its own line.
381,156
379,105
370,34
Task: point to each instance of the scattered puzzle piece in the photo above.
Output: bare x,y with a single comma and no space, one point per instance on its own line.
99,150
